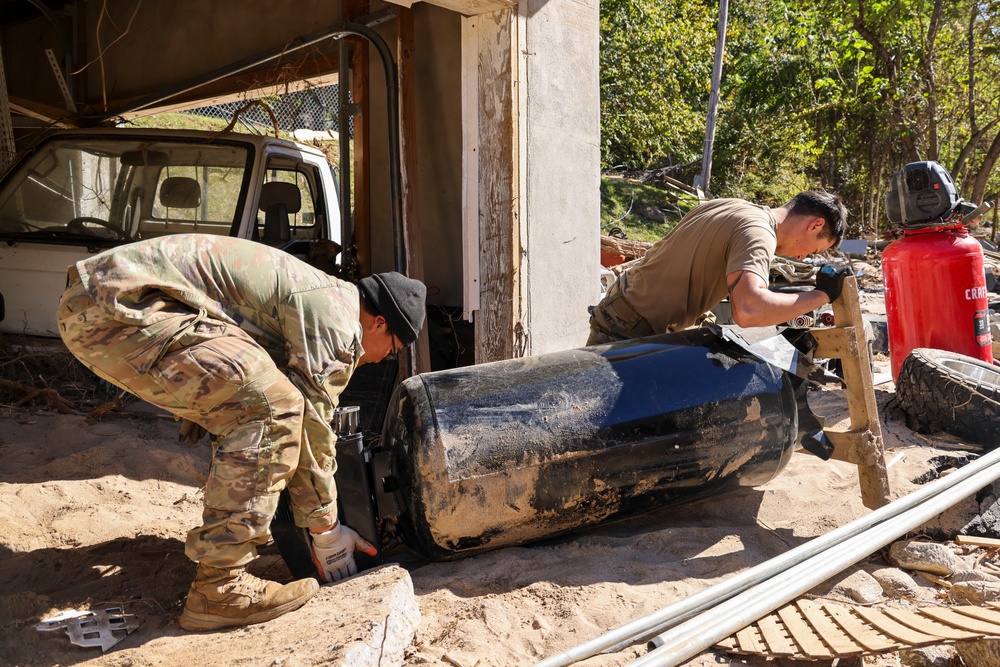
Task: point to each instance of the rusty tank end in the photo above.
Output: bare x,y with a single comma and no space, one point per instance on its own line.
510,452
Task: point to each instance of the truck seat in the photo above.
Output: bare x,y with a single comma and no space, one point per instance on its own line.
180,192
278,200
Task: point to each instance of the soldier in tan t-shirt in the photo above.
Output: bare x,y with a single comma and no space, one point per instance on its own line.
721,248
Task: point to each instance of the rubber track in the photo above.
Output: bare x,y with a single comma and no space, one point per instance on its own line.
942,399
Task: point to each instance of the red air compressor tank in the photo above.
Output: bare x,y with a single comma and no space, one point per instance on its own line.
935,294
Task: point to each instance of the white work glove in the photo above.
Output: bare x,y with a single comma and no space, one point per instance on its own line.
333,552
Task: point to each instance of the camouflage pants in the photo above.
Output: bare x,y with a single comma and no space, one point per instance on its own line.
214,374
614,319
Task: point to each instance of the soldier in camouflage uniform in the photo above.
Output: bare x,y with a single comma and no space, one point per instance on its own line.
255,346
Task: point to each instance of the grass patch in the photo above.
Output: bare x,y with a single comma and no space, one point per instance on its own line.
642,211
179,120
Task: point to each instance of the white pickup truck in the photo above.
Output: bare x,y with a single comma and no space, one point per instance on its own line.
82,191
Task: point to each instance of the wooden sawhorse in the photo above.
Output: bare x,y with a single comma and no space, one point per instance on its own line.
861,444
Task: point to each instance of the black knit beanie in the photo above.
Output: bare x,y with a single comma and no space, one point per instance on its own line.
400,300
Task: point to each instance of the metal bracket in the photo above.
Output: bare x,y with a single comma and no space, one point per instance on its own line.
103,628
61,80
382,472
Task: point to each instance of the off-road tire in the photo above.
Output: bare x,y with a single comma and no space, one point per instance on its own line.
950,392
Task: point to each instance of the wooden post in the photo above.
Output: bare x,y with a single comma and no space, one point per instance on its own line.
499,328
862,443
408,167
362,165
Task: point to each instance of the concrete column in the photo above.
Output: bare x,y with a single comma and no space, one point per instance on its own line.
560,168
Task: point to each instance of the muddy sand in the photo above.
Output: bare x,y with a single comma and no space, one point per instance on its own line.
94,515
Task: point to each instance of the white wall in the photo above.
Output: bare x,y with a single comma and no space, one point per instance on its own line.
560,153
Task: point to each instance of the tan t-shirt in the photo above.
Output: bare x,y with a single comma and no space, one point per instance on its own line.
684,274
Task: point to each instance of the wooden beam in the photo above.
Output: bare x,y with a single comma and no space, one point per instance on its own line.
53,115
475,7
971,540
408,167
464,7
848,445
862,443
499,327
836,343
362,164
861,401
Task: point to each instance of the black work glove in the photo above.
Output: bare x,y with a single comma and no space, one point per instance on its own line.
830,279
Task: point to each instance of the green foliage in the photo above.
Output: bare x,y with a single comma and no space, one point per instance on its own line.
797,71
814,93
656,62
642,211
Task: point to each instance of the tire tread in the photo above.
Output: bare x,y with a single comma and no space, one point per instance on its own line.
941,399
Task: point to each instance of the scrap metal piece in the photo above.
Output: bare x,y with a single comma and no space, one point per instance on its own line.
808,630
793,357
61,80
767,344
103,628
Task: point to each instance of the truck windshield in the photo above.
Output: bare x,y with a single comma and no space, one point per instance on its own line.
107,190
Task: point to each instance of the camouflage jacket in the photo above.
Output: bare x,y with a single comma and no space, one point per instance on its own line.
306,320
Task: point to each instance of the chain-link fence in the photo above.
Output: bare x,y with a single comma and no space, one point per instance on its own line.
314,108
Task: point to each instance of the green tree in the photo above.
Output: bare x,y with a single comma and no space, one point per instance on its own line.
794,75
814,93
939,59
656,61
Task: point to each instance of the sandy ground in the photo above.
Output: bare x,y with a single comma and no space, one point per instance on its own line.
95,515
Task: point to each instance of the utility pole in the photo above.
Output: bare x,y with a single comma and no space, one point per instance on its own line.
713,98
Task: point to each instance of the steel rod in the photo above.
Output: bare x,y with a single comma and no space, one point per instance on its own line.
713,97
697,634
658,621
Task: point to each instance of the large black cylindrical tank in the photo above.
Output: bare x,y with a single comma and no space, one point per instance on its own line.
514,451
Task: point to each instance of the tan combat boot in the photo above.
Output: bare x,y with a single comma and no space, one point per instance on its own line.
226,597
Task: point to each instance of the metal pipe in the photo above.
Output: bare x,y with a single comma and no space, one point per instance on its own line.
392,111
697,634
656,622
713,98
